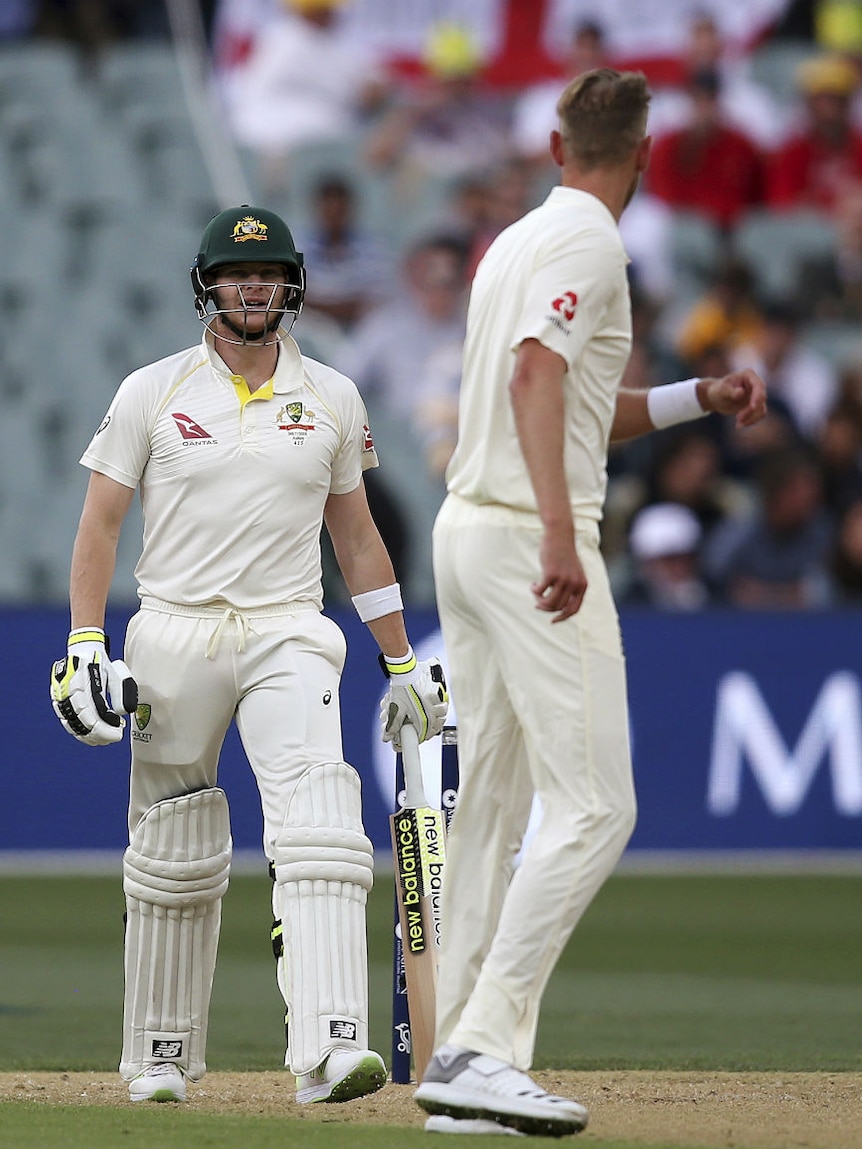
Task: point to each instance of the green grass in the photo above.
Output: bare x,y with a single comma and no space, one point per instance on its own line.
688,973
733,973
33,1126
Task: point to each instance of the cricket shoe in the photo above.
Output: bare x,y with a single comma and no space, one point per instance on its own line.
164,1082
343,1075
461,1083
474,1125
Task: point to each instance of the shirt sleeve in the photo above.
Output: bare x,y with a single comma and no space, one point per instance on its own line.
356,453
570,288
120,447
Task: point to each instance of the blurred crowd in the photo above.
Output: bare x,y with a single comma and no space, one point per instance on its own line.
745,243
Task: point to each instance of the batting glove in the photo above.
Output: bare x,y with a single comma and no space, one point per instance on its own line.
90,693
417,694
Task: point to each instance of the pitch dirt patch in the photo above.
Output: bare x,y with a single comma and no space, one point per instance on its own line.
754,1110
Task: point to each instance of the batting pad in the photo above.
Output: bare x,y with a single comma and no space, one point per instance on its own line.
323,872
175,873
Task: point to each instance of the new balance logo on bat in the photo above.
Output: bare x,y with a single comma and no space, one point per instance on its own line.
415,931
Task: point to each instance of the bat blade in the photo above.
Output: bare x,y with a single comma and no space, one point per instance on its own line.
418,851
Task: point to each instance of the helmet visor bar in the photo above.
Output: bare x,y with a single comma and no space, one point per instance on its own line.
250,312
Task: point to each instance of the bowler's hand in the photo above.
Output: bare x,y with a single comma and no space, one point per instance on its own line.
741,393
563,584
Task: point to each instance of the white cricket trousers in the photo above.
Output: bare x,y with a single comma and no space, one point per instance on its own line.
275,670
542,708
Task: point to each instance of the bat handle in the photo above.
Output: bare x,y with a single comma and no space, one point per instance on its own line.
413,784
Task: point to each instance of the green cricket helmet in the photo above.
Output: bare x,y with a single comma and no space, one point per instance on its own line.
247,234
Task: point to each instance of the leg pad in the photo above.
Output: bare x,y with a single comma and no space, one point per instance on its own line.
323,871
175,873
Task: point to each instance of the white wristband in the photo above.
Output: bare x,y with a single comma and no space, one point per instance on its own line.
674,403
85,634
375,603
403,671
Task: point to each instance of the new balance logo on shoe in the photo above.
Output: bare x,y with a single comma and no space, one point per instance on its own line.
342,1030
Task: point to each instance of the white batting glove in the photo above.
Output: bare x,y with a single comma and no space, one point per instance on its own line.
417,694
90,693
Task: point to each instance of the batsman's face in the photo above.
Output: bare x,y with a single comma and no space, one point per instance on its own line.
250,296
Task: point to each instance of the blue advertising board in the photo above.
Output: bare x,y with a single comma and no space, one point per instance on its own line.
746,732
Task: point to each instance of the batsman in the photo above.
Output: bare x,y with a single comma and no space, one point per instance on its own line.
241,448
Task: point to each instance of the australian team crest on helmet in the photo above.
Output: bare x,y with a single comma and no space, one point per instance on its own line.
249,228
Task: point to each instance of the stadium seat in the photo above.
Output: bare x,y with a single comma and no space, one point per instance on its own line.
774,65
696,251
774,246
840,343
134,73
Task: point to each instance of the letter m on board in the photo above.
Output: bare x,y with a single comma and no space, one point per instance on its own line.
745,731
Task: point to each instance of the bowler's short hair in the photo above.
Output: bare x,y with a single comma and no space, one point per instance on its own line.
603,116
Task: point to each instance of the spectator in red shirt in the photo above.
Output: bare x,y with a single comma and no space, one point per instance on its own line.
707,167
815,166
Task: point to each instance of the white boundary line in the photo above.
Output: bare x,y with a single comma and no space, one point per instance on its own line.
633,863
95,863
731,862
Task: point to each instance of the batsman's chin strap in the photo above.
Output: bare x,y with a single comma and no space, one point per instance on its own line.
243,626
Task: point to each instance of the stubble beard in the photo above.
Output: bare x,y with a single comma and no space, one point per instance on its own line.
252,338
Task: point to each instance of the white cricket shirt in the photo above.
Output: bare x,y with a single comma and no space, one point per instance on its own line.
557,275
233,484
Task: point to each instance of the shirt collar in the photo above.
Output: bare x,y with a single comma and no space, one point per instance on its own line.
588,201
289,373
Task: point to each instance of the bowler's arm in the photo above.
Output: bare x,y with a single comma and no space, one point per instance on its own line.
741,393
537,398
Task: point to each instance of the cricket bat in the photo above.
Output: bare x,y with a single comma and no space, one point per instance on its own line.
418,852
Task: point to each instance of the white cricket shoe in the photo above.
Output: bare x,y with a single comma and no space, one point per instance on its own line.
461,1083
343,1075
475,1125
163,1082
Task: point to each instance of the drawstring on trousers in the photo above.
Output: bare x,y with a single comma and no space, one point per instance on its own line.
243,626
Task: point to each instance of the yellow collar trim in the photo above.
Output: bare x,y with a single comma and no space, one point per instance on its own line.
245,395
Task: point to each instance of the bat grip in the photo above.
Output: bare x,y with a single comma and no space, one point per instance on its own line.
414,786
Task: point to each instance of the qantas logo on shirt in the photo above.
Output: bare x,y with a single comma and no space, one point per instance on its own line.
192,432
368,442
565,304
